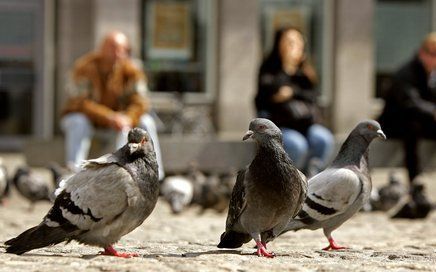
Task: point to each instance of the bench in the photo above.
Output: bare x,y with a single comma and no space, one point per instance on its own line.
219,155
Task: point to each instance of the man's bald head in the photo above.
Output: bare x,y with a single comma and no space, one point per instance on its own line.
429,42
115,46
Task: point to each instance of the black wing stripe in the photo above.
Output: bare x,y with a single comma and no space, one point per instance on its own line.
64,201
318,196
305,218
319,208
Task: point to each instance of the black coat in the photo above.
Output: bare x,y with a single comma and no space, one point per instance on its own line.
409,100
270,79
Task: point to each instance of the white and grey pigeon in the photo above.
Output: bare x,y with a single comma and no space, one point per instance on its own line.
109,198
337,193
268,192
4,182
177,191
32,186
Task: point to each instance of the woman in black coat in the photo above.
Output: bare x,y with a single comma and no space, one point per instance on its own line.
287,96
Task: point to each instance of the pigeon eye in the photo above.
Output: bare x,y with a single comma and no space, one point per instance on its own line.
262,127
144,140
370,127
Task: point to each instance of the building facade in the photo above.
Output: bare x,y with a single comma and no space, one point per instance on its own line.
203,55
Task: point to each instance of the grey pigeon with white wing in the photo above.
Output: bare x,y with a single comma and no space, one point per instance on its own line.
32,186
109,198
177,191
337,193
268,192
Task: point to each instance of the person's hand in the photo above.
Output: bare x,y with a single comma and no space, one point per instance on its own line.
121,121
285,93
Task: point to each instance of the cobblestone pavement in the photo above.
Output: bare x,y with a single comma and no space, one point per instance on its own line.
187,242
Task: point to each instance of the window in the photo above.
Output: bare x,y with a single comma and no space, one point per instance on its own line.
177,45
18,34
400,27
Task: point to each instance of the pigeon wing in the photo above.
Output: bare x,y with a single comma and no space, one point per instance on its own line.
238,201
93,196
100,161
331,193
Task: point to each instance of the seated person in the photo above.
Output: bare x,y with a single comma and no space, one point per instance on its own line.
286,95
107,92
410,109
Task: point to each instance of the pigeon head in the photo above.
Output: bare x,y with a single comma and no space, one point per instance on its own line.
139,141
263,130
369,130
21,171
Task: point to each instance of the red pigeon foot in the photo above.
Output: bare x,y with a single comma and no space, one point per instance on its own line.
261,251
333,246
110,251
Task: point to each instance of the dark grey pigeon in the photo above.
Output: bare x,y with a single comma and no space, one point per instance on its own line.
109,198
267,192
389,195
337,193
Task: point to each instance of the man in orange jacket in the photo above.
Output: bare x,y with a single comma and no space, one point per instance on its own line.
107,91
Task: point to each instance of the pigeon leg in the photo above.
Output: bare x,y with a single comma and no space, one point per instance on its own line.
333,246
110,251
261,251
261,248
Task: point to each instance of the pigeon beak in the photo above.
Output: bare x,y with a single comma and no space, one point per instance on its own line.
381,134
134,147
247,135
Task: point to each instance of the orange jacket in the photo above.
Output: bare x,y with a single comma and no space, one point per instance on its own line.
124,91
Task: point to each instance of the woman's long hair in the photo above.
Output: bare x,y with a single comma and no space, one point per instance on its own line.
273,61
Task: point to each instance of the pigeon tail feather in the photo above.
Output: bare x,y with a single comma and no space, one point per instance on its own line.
233,239
36,237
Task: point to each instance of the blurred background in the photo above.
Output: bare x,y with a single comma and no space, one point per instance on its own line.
201,58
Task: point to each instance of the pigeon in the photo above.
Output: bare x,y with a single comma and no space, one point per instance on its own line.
389,195
59,173
214,193
108,198
31,186
337,193
414,204
268,192
178,192
4,182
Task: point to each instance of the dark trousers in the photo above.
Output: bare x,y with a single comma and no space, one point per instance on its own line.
413,132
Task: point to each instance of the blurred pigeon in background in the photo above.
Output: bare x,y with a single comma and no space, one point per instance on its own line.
109,198
211,191
268,192
415,204
59,173
32,186
388,196
337,193
4,182
177,191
